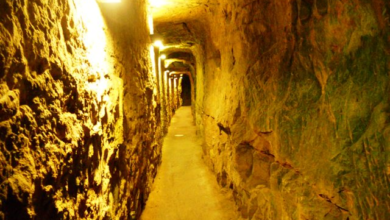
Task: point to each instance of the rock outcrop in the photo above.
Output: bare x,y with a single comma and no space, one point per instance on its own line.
80,133
293,105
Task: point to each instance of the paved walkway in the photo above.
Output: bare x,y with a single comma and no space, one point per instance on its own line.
184,188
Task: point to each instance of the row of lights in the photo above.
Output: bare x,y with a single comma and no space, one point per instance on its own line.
159,44
173,75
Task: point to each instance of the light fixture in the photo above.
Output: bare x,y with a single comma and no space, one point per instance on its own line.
159,44
163,56
157,41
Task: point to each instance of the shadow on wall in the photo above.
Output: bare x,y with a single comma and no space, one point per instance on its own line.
186,90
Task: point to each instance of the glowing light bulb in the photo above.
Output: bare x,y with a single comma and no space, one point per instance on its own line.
159,44
163,56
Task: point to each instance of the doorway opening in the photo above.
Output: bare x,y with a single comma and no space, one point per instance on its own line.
186,90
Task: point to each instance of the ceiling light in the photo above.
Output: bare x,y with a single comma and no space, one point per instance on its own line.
159,44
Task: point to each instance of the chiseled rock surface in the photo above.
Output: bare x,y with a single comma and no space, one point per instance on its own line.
293,104
79,138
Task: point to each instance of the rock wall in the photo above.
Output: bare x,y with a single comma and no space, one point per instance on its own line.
80,136
293,104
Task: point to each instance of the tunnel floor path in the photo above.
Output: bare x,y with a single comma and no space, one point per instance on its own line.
184,188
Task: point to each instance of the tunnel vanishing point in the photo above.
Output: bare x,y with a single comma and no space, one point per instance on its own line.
291,99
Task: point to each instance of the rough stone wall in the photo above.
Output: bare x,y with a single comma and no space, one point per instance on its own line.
176,92
179,91
79,138
293,105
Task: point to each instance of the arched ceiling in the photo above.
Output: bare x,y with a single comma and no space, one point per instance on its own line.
178,22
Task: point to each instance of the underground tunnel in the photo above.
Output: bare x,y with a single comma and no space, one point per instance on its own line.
280,106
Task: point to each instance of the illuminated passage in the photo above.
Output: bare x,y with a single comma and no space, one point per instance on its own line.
184,187
289,98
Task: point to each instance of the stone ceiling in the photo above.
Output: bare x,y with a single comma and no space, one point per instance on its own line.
177,22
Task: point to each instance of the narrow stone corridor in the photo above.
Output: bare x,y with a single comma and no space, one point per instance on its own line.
184,188
289,101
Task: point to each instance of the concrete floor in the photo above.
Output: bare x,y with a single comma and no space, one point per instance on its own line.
184,188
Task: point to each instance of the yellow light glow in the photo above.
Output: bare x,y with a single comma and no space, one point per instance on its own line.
158,3
163,56
150,22
159,44
95,41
